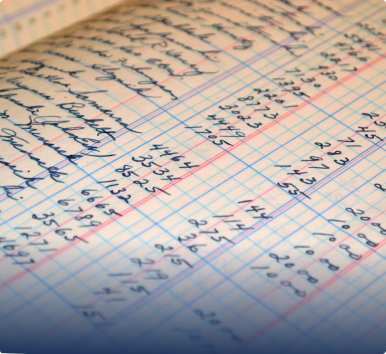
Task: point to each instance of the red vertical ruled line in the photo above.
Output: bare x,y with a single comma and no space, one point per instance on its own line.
189,94
208,162
330,282
242,235
181,99
333,278
219,251
335,147
169,105
320,289
185,152
44,174
261,130
194,147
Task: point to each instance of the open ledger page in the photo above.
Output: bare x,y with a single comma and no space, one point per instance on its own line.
197,177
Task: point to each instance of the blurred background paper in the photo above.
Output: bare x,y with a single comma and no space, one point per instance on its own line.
24,21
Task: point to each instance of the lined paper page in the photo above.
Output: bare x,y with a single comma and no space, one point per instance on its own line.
24,21
197,177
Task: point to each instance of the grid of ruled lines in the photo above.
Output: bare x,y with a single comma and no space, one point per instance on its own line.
248,173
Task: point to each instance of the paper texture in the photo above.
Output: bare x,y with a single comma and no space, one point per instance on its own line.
197,177
24,21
